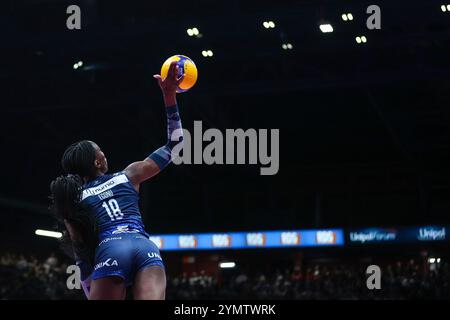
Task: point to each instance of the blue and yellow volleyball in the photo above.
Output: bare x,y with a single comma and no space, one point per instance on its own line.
185,66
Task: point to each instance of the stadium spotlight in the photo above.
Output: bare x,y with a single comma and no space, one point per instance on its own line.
325,28
227,265
207,53
347,17
361,39
284,46
289,46
47,233
193,32
78,65
448,7
269,24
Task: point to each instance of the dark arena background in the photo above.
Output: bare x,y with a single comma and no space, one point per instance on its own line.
363,115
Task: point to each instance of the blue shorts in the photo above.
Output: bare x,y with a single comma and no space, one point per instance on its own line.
124,255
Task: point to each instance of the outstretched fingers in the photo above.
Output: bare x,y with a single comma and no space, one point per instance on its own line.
158,78
171,74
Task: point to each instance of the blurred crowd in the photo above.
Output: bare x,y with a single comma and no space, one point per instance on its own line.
402,280
31,277
34,278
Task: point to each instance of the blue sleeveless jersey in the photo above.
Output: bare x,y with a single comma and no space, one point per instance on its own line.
115,205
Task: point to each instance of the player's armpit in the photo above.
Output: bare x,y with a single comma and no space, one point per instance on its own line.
140,171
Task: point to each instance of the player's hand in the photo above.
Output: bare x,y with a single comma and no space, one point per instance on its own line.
170,84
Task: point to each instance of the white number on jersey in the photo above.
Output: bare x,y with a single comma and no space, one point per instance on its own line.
112,209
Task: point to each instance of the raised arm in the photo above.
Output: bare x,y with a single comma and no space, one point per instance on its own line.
140,171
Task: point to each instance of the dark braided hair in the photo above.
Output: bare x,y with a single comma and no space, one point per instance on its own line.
79,159
66,192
